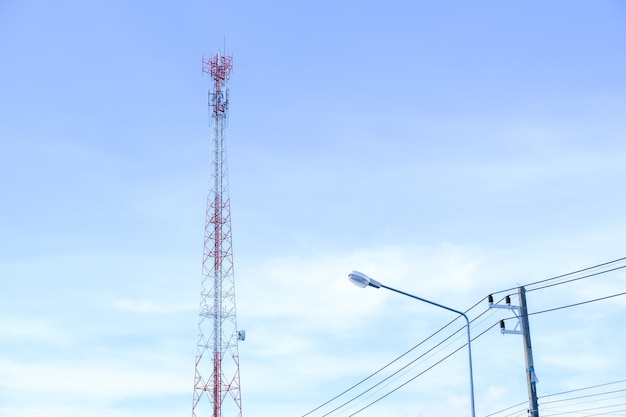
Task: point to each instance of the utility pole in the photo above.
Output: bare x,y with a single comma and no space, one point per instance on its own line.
521,312
531,378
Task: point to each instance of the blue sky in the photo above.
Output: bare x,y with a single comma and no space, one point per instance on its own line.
449,150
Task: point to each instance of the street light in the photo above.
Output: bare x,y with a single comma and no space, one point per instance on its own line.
361,280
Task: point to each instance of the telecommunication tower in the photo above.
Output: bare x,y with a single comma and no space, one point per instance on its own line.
216,384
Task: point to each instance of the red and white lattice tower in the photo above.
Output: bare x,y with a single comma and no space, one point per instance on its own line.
216,384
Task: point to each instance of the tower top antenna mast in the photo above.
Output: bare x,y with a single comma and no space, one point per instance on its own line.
216,383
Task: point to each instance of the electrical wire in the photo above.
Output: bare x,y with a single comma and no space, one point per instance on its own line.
385,367
521,412
582,389
411,365
576,279
432,352
570,305
580,270
408,367
396,373
397,359
587,396
402,371
507,409
560,405
563,393
568,274
569,403
577,304
420,374
588,410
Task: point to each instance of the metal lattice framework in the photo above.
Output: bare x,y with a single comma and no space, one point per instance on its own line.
216,384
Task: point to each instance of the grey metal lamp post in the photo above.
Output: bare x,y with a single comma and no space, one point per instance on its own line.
361,280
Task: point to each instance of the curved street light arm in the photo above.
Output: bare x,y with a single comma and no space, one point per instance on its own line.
361,280
469,338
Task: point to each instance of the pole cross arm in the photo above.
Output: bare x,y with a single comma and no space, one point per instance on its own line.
517,311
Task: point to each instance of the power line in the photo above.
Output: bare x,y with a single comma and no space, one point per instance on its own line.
569,274
485,311
507,409
433,351
601,394
579,278
524,403
569,305
424,371
396,373
589,409
421,373
405,366
583,389
577,304
562,393
576,272
388,365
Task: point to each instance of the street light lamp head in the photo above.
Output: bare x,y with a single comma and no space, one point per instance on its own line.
361,280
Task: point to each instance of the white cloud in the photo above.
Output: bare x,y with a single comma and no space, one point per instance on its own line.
16,329
94,380
152,306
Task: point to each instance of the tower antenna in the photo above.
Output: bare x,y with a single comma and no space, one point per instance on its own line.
216,384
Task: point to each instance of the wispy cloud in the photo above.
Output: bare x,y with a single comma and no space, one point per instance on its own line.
152,306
